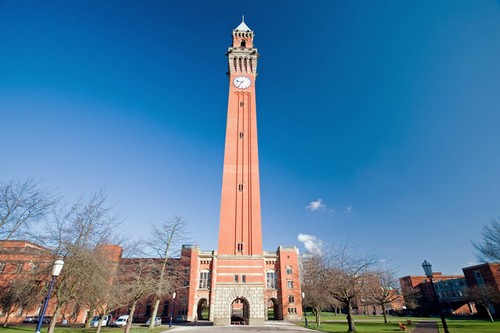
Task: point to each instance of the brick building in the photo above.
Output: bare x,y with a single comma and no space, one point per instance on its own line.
487,274
419,295
21,259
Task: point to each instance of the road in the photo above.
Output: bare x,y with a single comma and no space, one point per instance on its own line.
272,326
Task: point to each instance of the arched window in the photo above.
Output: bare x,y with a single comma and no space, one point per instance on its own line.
243,43
291,299
289,270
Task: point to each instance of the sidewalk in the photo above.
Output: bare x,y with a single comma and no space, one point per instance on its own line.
426,327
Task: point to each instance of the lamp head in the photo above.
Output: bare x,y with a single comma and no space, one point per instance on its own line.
58,265
174,294
427,269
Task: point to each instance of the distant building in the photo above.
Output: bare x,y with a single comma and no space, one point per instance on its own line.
20,259
419,296
487,274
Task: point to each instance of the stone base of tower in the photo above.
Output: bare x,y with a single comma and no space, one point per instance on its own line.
251,298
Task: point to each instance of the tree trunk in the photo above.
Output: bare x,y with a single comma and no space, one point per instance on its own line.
489,313
6,321
53,320
101,317
153,315
90,314
350,321
383,312
317,314
130,316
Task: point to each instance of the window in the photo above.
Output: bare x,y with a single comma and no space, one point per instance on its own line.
291,299
236,279
271,280
242,135
479,278
239,247
240,187
244,279
165,311
289,270
292,311
243,43
289,283
204,280
19,267
148,310
2,267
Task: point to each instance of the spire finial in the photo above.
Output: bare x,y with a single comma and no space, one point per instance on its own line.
243,18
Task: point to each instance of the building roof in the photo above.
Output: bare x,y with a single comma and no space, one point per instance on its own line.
242,26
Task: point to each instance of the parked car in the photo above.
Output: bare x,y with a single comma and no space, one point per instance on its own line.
179,319
30,319
35,319
121,321
106,320
157,321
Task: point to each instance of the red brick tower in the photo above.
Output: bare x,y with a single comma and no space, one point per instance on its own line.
240,230
239,279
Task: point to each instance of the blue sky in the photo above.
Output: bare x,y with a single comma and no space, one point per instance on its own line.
378,120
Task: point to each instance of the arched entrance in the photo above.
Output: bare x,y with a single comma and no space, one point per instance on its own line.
272,309
240,312
203,309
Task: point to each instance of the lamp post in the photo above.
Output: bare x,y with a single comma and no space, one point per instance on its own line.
428,272
56,270
304,308
172,311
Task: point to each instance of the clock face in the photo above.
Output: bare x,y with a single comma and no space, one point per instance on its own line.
242,82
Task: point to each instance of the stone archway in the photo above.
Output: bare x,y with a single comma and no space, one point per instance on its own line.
203,310
240,311
272,309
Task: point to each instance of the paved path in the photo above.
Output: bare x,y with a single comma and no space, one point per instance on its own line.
274,326
426,327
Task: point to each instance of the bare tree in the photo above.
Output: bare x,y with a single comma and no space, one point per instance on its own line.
19,293
484,296
136,280
165,243
103,291
313,285
383,290
344,276
75,235
488,249
22,203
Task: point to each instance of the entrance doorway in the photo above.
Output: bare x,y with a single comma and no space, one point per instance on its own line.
272,309
203,309
240,311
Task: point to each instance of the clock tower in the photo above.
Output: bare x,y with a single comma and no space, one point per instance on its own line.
239,283
240,231
240,262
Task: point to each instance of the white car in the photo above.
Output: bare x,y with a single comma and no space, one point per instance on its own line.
121,321
157,321
106,320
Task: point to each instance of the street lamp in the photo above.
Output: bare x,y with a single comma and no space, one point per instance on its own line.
172,311
56,270
428,272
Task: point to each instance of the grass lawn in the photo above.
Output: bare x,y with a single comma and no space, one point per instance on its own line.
375,324
76,329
